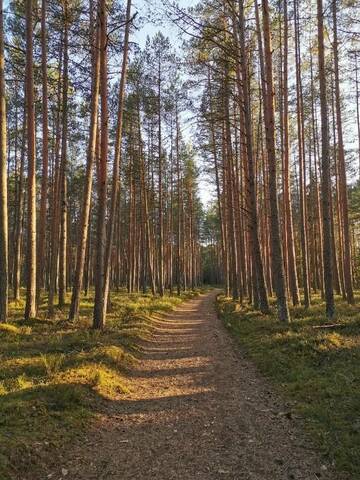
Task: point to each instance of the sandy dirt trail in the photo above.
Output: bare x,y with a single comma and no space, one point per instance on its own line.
197,410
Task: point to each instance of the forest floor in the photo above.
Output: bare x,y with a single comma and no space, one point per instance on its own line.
195,408
312,363
57,377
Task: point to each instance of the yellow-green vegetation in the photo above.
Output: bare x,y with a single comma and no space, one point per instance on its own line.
314,365
55,377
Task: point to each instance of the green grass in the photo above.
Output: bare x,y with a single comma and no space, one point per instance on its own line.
316,369
56,377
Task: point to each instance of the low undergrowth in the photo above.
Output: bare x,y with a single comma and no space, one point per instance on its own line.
55,377
314,366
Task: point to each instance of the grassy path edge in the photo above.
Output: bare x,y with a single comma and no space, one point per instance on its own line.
56,377
316,370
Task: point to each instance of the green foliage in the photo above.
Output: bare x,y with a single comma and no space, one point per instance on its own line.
316,369
56,377
52,363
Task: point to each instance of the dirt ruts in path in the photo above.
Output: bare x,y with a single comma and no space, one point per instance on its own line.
197,410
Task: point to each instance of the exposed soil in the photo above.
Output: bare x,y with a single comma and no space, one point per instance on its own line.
197,410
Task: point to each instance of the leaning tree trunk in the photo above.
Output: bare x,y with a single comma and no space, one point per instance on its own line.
117,161
85,211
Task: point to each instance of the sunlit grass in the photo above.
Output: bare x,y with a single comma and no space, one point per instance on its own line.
55,377
316,369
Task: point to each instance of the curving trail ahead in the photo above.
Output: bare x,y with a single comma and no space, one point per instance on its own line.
197,410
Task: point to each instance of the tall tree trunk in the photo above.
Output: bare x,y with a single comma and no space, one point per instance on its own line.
276,247
251,197
325,167
301,153
178,233
293,280
218,191
18,232
41,259
146,212
99,303
117,160
64,162
12,234
160,175
342,170
4,263
319,229
55,203
229,170
267,254
85,211
338,271
30,307
357,104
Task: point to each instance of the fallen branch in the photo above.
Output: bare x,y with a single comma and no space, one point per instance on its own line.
334,325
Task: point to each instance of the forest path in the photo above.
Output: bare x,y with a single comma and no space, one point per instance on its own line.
197,410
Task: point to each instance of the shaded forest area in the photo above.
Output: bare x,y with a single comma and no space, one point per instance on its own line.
103,182
279,120
107,150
